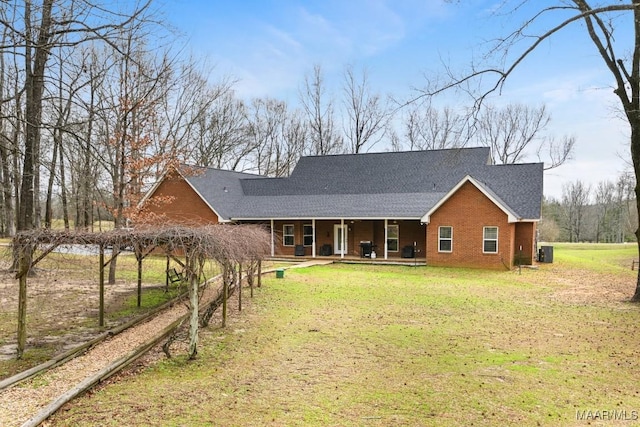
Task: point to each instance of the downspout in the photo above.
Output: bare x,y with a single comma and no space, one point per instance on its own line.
273,249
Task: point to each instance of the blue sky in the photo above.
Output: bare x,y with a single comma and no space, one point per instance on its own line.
269,46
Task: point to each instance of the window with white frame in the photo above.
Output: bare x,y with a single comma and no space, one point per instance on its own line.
393,237
445,239
490,240
288,238
307,235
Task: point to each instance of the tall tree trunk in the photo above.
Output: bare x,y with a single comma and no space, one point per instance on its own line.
34,89
6,182
48,210
7,193
85,185
635,157
63,190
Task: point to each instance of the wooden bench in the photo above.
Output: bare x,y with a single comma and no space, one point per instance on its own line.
175,275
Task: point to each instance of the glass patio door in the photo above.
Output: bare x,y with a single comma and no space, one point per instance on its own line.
338,240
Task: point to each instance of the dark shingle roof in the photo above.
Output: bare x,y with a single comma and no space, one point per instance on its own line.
373,185
221,189
398,172
348,206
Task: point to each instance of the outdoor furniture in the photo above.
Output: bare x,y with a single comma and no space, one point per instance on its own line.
408,252
365,248
174,275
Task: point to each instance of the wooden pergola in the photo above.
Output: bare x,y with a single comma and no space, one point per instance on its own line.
228,245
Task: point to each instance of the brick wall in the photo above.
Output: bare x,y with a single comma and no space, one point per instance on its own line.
468,211
525,238
174,201
278,229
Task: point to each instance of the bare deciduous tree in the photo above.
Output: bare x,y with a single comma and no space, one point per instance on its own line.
320,115
197,121
366,112
575,199
8,133
266,119
605,211
34,30
516,130
294,135
429,128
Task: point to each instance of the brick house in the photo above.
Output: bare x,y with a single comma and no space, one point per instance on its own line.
446,207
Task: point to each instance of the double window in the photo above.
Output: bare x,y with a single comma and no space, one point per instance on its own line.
490,240
445,239
288,237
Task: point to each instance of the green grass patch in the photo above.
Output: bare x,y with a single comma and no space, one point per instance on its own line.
58,224
150,298
355,345
597,257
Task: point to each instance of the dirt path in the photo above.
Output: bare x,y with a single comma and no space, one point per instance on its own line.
21,402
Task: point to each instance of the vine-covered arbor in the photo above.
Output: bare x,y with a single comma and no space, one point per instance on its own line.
228,245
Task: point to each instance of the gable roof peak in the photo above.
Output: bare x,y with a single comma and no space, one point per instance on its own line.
484,189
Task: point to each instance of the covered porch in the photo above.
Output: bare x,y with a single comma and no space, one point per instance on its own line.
349,239
351,259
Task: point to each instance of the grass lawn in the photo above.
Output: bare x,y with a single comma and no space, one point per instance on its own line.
353,345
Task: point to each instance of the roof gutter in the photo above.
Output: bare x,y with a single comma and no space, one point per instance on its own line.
328,218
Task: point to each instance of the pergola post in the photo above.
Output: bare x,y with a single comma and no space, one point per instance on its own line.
226,272
24,263
251,276
101,279
139,258
193,304
240,286
166,276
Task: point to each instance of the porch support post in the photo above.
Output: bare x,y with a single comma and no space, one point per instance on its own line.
386,227
273,248
343,238
313,238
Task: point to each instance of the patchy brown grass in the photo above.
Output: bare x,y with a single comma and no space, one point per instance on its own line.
63,305
376,346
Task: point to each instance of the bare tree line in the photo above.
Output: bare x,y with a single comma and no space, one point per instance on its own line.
94,107
603,214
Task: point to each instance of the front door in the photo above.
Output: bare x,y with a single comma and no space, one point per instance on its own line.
338,240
